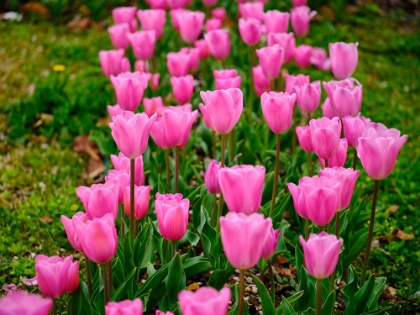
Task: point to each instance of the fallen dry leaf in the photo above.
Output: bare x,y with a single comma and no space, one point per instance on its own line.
282,259
394,208
84,145
94,168
36,7
46,219
402,235
193,286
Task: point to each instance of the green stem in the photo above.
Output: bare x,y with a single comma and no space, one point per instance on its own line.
154,62
329,227
311,164
168,172
132,166
241,292
231,145
176,169
110,277
173,249
165,254
306,229
294,132
337,232
122,222
251,81
214,144
214,213
88,277
276,177
71,305
354,159
321,228
273,85
106,283
273,290
326,163
371,224
223,165
54,306
318,296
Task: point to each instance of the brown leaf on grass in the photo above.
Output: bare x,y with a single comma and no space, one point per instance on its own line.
394,208
193,286
46,219
79,23
36,7
104,121
282,259
399,234
43,119
82,144
94,168
383,239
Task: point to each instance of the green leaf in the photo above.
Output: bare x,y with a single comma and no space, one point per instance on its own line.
219,277
122,291
281,246
175,282
153,282
328,306
358,303
80,300
377,312
105,143
287,308
266,302
196,265
279,210
352,285
377,291
291,300
193,238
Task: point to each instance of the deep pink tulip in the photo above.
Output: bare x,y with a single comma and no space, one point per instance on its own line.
250,31
286,41
213,24
222,109
141,201
347,177
321,254
23,303
296,80
297,3
353,128
153,105
114,110
129,88
194,55
174,17
98,238
344,58
252,10
219,43
325,134
327,110
201,45
143,43
125,15
177,4
300,18
205,300
261,82
305,138
126,307
225,74
316,198
172,215
270,245
118,35
211,177
278,110
121,179
378,149
271,59
69,227
183,88
319,59
152,20
190,25
308,96
131,132
345,96
122,163
340,157
56,275
113,62
276,21
158,312
242,186
303,55
209,3
224,84
99,200
243,238
219,13
178,63
157,4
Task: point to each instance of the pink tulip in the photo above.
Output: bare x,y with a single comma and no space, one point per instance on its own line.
158,312
321,254
113,62
243,238
250,31
98,238
278,110
201,45
270,245
300,18
305,138
194,55
174,17
276,21
153,105
122,163
154,80
296,80
177,4
378,149
225,74
190,25
125,307
308,96
345,96
319,59
205,300
224,84
141,201
325,134
261,82
303,55
327,110
56,275
143,43
344,58
183,88
297,3
121,179
219,43
353,128
209,3
213,24
178,63
114,110
340,157
211,177
23,303
252,10
131,133
219,13
242,186
157,4
69,227
222,109
172,214
141,66
347,177
118,35
173,126
99,200
286,41
129,88
271,59
125,15
152,20
9,288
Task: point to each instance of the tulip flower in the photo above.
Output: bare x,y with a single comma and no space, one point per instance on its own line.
21,302
156,4
99,200
56,275
172,214
327,110
118,35
270,245
308,96
201,45
183,88
178,64
344,58
224,84
209,3
276,21
125,307
296,80
114,110
69,227
129,88
278,110
219,13
345,97
297,3
286,41
242,186
141,201
154,80
252,10
153,105
353,128
121,179
225,74
261,82
158,312
211,177
152,20
222,109
304,137
190,25
143,43
122,163
340,157
205,300
177,4
219,43
319,59
125,15
271,59
174,17
300,17
250,31
213,24
303,55
113,62
325,136
131,133
194,57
